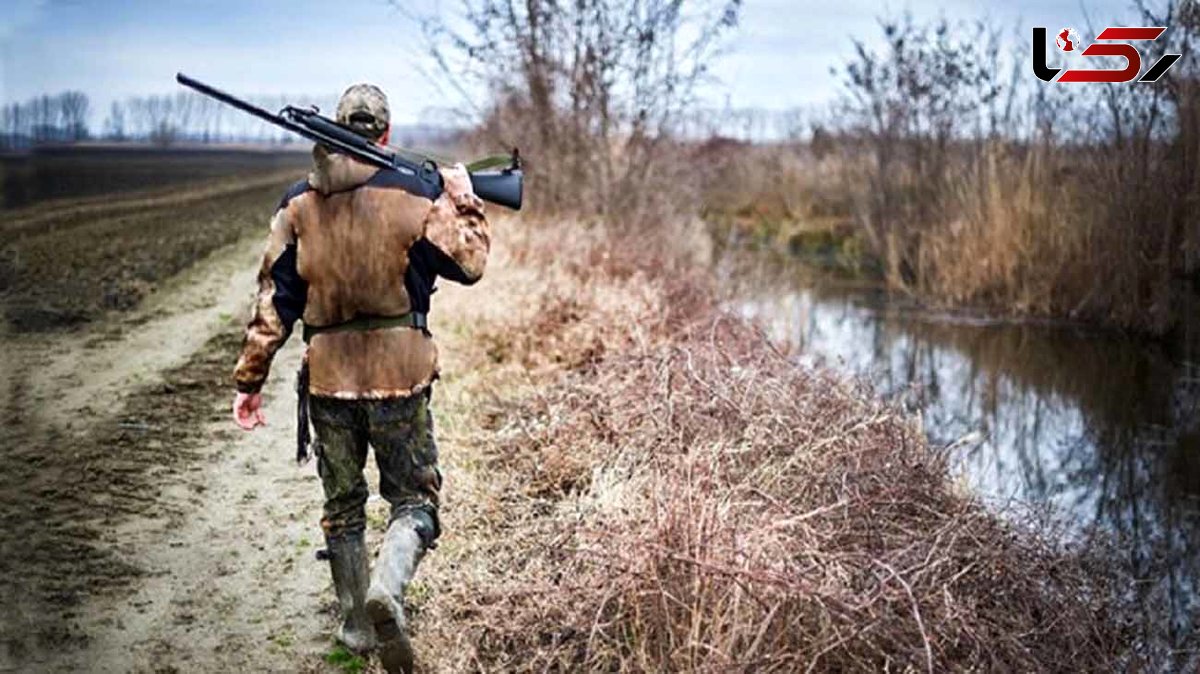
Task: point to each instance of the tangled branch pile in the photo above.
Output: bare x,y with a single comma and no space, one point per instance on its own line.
682,496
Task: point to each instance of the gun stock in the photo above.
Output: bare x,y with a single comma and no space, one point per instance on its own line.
504,187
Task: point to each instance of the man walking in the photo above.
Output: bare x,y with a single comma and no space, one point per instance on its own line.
353,252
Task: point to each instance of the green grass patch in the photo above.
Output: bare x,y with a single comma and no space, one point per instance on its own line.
345,660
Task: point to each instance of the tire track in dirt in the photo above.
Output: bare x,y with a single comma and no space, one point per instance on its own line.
234,585
229,578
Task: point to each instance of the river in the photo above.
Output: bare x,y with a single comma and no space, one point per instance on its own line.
1092,430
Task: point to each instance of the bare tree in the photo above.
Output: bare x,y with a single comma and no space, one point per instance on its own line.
15,123
973,183
73,106
157,119
114,126
595,89
43,118
924,89
182,107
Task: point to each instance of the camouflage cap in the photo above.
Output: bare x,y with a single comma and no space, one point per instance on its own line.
364,108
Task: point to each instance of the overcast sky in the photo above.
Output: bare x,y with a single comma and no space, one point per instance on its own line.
779,59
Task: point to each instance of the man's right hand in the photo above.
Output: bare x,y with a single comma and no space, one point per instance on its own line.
247,411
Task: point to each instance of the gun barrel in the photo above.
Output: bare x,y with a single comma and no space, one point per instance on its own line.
317,133
236,102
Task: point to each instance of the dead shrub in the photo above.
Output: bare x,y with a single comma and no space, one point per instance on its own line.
694,500
599,291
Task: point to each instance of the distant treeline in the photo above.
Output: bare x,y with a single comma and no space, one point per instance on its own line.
167,119
58,118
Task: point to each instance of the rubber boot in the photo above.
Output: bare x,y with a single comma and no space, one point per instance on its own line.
394,568
351,572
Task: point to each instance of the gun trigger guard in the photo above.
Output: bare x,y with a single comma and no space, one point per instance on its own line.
429,171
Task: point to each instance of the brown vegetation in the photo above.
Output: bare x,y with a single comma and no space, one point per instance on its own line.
592,93
971,184
683,496
951,174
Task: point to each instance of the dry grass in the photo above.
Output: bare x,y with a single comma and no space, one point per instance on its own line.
673,493
1045,230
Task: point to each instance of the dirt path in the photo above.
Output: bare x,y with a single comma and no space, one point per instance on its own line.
161,538
233,585
214,561
73,404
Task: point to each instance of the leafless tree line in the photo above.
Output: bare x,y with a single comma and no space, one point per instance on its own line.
163,119
59,118
748,124
190,117
596,88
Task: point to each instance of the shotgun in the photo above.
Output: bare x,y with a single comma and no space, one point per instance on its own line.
497,179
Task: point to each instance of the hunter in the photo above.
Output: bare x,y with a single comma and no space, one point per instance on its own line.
354,252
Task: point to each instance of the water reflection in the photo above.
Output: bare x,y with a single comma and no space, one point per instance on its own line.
1101,430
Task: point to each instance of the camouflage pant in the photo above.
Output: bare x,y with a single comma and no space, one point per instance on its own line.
400,430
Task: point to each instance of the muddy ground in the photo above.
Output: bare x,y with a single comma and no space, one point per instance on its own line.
105,169
143,531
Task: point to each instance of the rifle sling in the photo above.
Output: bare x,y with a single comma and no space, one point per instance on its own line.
303,436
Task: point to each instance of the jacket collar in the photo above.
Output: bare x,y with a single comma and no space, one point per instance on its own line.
333,172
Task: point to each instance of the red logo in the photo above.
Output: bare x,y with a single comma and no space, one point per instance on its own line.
1068,41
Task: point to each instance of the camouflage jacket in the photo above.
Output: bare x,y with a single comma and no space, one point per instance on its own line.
353,241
